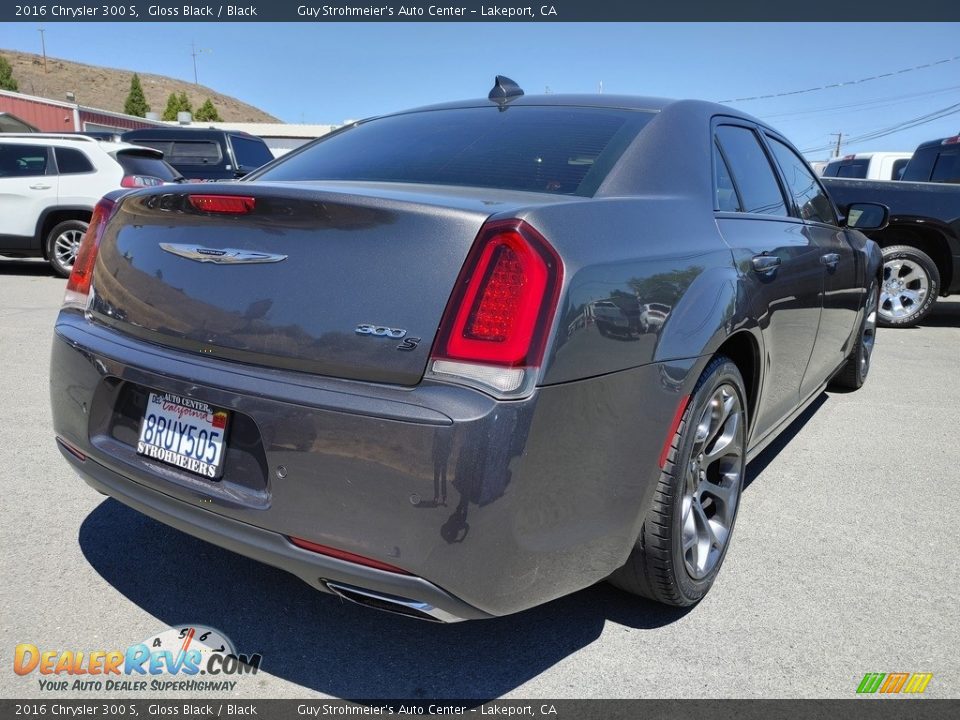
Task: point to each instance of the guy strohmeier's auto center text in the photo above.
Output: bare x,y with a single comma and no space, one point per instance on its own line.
498,12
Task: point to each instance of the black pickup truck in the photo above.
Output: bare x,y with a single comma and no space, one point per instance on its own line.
921,245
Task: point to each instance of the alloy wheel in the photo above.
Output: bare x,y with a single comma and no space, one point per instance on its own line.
712,482
905,287
66,246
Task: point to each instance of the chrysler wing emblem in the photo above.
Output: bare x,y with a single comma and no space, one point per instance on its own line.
226,256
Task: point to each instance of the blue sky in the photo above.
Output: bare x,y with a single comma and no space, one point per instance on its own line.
329,72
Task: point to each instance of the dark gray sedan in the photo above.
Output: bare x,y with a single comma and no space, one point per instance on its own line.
459,361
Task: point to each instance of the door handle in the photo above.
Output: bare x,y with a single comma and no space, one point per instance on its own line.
765,263
39,186
830,260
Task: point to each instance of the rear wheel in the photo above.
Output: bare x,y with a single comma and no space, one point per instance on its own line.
62,245
910,286
854,372
687,531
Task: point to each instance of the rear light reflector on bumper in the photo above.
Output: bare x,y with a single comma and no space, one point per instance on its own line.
344,555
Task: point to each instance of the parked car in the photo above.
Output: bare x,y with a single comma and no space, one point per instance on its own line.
869,166
921,245
205,154
50,183
304,366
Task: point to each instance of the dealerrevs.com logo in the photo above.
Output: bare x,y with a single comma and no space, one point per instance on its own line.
192,658
894,683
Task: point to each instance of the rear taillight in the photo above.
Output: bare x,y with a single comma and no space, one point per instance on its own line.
230,204
78,286
139,181
495,327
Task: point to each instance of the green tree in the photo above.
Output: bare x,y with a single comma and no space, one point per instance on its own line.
176,104
173,105
136,103
7,80
207,112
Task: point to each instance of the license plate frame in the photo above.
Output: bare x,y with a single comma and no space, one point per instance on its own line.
186,434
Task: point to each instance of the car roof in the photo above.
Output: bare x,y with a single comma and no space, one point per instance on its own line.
173,133
623,102
110,147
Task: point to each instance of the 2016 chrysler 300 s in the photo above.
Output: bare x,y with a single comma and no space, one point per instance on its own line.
411,362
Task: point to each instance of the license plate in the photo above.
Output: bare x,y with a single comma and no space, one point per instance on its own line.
185,433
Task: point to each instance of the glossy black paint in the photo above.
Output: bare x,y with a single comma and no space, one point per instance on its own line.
499,505
927,210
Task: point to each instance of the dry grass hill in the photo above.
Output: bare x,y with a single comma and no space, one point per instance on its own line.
107,88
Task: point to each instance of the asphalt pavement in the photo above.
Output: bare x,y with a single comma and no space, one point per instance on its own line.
844,562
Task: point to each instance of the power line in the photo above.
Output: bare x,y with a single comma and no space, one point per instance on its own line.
892,129
879,102
849,82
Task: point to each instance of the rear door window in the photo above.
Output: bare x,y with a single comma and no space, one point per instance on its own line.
750,168
71,161
23,160
250,153
808,195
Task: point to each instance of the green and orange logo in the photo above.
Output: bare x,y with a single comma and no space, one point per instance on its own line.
893,683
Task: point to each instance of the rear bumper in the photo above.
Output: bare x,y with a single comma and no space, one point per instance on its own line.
492,507
274,549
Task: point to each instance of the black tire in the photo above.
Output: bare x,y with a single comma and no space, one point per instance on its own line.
657,568
69,232
924,272
854,372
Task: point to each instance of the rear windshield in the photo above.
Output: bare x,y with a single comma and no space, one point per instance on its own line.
135,163
847,169
561,150
185,152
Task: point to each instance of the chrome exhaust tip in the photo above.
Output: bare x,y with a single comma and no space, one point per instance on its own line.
391,603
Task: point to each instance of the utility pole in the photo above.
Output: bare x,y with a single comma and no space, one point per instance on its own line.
194,52
43,47
836,152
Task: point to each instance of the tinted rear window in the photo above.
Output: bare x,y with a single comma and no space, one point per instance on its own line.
947,168
136,164
71,161
756,183
250,152
852,168
562,150
921,164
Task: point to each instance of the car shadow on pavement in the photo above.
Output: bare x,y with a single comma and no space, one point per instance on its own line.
320,642
944,314
26,268
760,462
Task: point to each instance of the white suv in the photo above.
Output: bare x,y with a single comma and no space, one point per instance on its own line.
50,183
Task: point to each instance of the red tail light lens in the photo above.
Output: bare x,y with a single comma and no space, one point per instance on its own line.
139,181
228,204
78,285
951,140
503,304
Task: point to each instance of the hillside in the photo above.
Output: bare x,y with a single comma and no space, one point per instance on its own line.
107,88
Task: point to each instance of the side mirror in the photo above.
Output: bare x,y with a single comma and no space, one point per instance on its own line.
867,216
